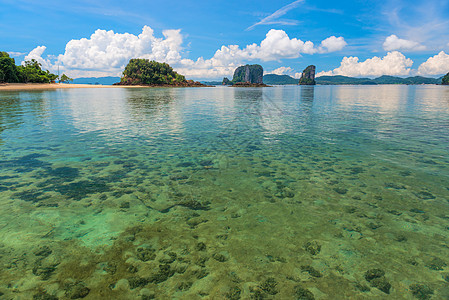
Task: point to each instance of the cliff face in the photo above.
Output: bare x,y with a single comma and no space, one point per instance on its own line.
248,73
308,76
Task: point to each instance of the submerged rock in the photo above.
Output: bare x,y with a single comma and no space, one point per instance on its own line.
312,247
303,294
421,291
77,290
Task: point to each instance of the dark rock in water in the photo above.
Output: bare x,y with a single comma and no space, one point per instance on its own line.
341,190
248,74
145,253
164,273
303,294
201,246
269,286
446,276
436,264
311,270
312,247
77,290
42,296
421,291
233,294
125,205
219,257
44,272
43,251
374,273
382,284
135,282
425,195
308,76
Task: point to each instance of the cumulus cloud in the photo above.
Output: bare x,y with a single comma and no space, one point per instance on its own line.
332,44
282,71
36,54
394,43
394,63
107,53
435,65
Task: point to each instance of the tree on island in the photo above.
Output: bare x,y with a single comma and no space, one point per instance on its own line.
8,68
143,71
30,71
64,78
445,80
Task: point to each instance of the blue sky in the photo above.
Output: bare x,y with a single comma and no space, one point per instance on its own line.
207,40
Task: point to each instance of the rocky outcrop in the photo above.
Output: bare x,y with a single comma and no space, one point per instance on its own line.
248,74
308,76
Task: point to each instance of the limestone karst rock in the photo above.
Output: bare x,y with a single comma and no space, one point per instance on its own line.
308,76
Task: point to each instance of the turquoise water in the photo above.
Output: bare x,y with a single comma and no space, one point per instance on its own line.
325,192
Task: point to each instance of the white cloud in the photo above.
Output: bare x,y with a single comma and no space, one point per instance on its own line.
107,50
332,44
36,54
394,43
394,63
281,71
435,65
15,54
106,53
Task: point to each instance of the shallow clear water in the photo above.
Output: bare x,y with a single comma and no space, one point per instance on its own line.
225,193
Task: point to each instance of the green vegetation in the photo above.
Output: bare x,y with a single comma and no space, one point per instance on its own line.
31,71
143,71
248,73
8,68
65,78
308,76
445,79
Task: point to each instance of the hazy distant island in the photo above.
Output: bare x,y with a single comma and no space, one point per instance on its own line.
246,76
274,79
144,72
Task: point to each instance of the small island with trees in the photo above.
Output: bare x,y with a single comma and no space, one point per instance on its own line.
144,72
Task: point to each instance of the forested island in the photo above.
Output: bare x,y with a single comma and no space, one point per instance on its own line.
141,71
246,76
30,72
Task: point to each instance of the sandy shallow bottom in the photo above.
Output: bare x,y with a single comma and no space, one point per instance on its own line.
131,214
216,231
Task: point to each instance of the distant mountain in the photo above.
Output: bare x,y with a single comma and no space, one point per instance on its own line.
97,80
273,79
338,79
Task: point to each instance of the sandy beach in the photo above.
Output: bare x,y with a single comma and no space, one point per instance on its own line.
50,86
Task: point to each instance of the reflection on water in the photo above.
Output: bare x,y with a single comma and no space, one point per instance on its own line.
309,192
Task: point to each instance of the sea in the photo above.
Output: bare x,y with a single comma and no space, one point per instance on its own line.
284,192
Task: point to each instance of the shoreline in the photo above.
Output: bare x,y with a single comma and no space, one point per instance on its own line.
54,86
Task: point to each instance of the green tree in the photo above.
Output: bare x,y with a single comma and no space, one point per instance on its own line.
31,71
445,79
8,68
65,78
144,71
